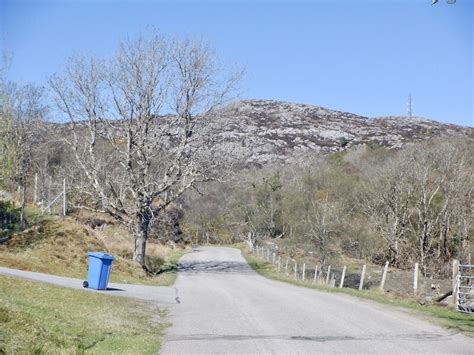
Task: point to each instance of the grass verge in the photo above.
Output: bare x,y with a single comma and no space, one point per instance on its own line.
442,315
60,247
39,318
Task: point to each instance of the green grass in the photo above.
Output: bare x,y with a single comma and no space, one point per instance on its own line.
442,315
37,318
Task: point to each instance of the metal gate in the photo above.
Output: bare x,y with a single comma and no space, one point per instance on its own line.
465,289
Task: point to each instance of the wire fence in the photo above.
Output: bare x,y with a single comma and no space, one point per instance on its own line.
358,276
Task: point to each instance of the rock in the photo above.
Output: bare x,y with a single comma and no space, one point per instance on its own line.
255,132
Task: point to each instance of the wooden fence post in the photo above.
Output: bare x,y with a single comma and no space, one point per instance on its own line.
329,273
286,265
455,280
279,263
273,259
302,272
362,278
341,284
384,276
35,196
296,270
64,198
315,273
415,279
49,194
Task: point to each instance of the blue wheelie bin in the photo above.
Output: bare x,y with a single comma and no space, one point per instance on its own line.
98,273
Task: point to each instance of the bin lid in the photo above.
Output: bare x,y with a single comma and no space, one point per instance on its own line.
101,255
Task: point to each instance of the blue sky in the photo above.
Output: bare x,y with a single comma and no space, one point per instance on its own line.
363,57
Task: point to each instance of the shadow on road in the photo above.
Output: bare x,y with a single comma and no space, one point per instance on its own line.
114,289
214,267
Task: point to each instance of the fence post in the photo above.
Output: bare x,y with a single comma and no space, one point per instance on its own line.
362,278
384,276
296,270
286,265
279,263
415,279
304,270
49,194
315,274
35,196
329,273
455,280
273,259
341,284
64,198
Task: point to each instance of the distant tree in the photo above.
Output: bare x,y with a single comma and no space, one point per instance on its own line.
420,201
343,142
262,208
22,112
386,201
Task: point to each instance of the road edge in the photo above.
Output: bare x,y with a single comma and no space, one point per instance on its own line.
438,315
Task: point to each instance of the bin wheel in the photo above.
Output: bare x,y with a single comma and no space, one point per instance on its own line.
85,284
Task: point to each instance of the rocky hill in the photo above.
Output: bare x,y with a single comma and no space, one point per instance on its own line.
262,131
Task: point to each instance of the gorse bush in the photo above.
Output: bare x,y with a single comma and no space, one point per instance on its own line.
9,217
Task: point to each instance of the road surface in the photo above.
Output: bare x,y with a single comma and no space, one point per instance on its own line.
162,295
228,308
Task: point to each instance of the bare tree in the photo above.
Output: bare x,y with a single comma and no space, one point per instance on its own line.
420,201
22,112
137,124
442,176
386,201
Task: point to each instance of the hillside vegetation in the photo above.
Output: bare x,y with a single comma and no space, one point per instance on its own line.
402,206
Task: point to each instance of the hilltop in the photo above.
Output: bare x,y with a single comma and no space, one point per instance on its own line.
261,131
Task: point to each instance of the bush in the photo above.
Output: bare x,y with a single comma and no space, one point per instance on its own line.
9,217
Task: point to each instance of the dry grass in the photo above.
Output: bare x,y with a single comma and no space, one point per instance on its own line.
60,246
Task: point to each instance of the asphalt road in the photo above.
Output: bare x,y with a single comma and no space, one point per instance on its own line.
225,307
228,308
162,295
